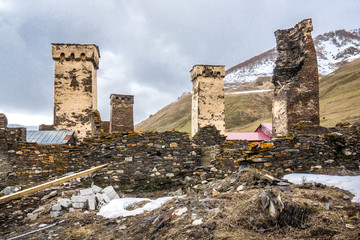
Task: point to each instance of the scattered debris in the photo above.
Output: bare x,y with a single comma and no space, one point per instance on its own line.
89,198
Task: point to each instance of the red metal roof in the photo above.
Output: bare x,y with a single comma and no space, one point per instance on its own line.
263,132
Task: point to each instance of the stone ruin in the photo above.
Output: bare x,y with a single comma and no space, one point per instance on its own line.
75,98
296,79
75,95
208,107
3,120
153,160
121,113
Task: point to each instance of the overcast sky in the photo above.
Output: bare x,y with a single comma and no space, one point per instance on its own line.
147,47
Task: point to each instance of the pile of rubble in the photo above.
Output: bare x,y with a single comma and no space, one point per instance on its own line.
87,199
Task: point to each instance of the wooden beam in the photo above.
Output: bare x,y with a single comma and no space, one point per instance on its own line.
49,184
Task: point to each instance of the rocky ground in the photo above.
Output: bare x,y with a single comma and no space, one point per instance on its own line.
249,204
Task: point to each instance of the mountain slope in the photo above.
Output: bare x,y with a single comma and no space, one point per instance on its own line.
340,95
339,101
333,49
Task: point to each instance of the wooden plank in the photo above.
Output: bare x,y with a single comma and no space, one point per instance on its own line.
49,184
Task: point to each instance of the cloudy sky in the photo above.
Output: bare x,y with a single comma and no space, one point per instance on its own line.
147,47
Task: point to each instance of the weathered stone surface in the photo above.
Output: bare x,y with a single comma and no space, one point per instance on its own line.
56,207
75,95
296,80
121,113
3,121
56,213
208,106
64,202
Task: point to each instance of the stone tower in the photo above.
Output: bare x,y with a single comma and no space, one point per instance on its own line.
208,107
121,113
296,79
75,95
3,121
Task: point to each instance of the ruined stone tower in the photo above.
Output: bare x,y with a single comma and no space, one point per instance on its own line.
121,113
208,105
296,80
75,95
3,121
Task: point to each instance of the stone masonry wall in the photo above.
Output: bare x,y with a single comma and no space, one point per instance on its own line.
334,152
3,120
136,160
153,160
296,80
208,105
121,113
75,95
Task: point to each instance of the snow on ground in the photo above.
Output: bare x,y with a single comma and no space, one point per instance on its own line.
117,207
350,183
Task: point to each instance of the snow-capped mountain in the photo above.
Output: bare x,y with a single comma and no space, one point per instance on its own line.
333,49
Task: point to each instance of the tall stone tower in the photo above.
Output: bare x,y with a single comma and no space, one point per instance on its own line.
121,113
208,105
296,79
75,95
3,121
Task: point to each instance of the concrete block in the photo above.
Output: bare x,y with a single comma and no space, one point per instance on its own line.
65,202
56,213
108,190
91,203
56,207
99,197
96,189
106,198
78,199
116,197
85,192
111,195
80,205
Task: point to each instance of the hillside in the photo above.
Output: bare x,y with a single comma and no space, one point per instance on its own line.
340,95
339,101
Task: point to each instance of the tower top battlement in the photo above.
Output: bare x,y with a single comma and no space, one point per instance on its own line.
123,98
78,52
213,71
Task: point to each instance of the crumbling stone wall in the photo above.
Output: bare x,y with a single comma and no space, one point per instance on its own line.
333,152
121,113
147,160
75,95
3,121
153,160
296,80
208,105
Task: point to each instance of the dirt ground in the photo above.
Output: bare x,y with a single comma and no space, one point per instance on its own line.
232,208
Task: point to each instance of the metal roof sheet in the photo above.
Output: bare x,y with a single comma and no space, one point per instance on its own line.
263,132
48,137
249,136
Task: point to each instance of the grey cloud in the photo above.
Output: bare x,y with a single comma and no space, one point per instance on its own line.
147,47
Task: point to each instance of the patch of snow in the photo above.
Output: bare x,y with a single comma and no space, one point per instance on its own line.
117,207
350,183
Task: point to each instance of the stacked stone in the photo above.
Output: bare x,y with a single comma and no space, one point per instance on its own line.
152,160
147,160
208,136
3,120
303,153
89,199
296,80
